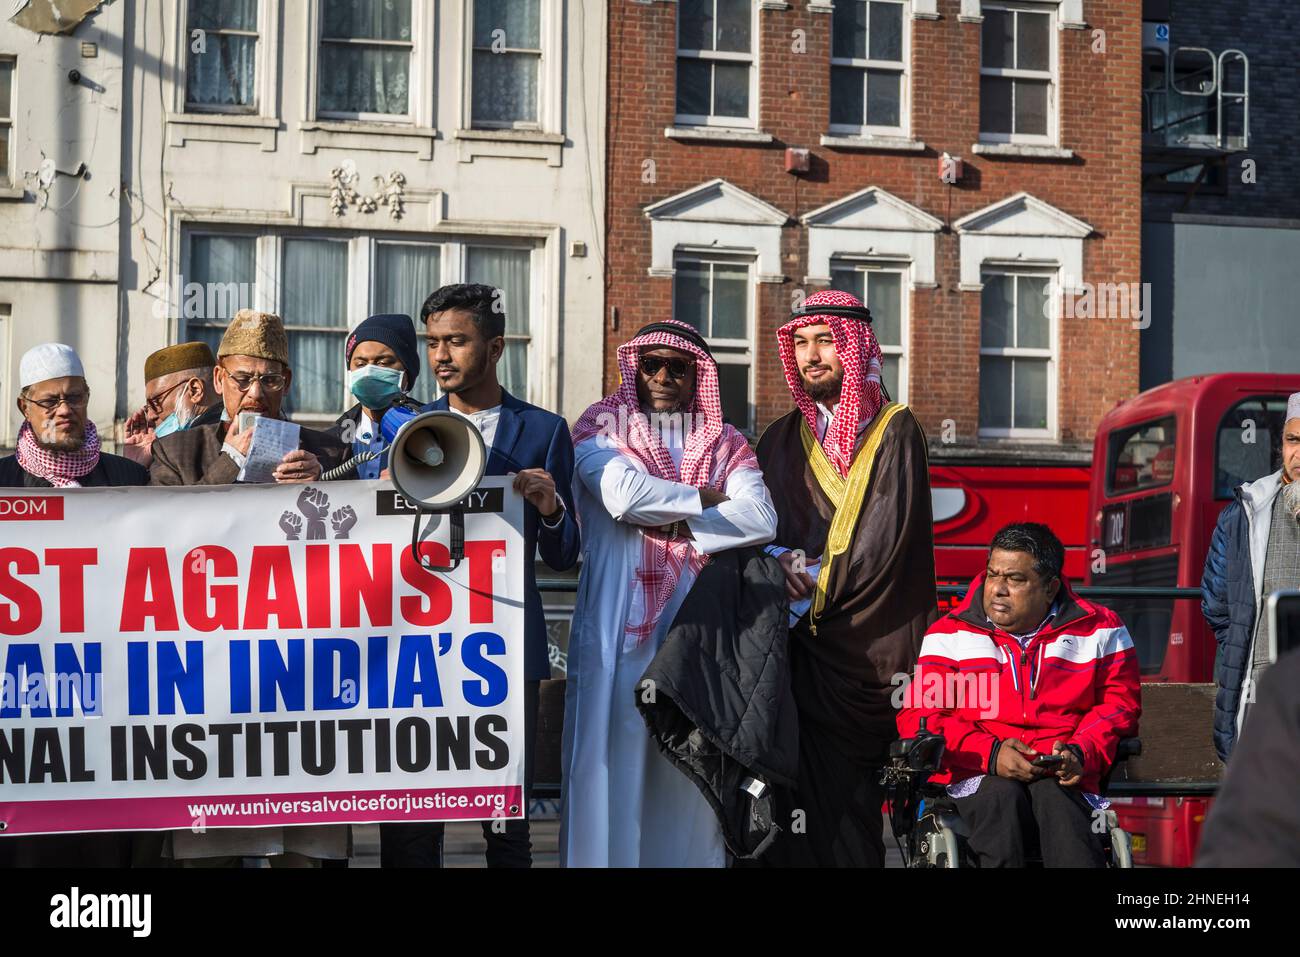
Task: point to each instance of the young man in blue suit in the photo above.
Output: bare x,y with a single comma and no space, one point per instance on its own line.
465,328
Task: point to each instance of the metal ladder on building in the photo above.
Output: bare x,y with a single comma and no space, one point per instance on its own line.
1208,81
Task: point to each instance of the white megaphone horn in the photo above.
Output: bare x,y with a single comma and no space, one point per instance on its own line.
436,459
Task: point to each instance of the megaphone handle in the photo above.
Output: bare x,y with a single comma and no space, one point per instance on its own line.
457,543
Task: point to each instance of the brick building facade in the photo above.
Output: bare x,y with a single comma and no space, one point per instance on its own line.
1039,101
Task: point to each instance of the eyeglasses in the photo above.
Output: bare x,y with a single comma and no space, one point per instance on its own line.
76,400
156,402
270,381
677,368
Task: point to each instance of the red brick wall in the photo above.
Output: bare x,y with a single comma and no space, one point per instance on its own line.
1099,120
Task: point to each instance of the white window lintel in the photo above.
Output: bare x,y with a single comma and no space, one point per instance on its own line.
1020,228
1070,18
716,215
871,223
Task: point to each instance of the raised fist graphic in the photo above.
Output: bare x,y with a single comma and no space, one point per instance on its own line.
342,520
315,505
292,525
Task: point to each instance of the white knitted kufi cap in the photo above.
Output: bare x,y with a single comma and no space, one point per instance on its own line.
49,360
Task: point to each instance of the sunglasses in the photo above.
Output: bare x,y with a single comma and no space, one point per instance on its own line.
677,368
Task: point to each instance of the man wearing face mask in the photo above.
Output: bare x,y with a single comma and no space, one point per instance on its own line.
252,375
383,363
178,395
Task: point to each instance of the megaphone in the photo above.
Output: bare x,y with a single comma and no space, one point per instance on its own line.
436,459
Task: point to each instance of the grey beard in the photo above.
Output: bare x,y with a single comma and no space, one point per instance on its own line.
1291,499
63,445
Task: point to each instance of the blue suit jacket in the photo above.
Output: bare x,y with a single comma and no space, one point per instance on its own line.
531,438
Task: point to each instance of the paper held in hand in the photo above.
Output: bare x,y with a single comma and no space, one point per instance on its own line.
273,439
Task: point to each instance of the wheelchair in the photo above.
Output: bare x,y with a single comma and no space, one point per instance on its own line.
925,821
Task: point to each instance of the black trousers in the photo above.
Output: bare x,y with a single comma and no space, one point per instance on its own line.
420,845
1009,819
832,818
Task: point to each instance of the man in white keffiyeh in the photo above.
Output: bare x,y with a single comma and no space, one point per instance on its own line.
661,482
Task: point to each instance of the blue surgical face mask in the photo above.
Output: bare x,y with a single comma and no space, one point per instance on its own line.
167,426
173,423
375,386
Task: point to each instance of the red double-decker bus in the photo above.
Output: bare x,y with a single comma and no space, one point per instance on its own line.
1164,466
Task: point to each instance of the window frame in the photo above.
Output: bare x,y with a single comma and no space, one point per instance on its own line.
460,256
903,269
266,67
453,251
259,52
728,351
542,64
1052,74
551,80
901,66
1114,447
9,122
749,122
1263,398
420,76
1051,354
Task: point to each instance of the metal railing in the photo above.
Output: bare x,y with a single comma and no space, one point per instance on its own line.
949,591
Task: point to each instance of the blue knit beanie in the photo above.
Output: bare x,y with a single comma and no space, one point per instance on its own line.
395,331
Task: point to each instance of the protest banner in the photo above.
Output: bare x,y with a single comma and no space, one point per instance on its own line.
249,656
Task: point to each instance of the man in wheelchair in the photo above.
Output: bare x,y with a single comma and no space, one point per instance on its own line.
1031,688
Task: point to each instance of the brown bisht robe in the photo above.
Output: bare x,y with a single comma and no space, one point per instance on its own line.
863,632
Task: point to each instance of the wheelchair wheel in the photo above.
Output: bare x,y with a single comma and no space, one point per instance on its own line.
937,848
1121,848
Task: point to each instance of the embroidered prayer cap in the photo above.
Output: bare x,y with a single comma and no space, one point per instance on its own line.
49,360
257,334
861,394
181,357
1293,407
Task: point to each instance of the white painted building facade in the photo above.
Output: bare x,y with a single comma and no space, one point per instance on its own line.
322,159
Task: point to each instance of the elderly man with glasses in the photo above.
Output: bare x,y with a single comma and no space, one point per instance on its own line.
178,395
57,445
252,375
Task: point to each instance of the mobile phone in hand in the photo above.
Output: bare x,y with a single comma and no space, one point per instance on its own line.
1049,762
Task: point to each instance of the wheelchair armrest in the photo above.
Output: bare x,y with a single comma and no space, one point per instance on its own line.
1128,748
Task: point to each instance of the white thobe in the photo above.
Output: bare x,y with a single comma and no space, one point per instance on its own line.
624,804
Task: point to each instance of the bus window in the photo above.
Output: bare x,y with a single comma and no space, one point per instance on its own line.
1141,457
1249,443
1148,619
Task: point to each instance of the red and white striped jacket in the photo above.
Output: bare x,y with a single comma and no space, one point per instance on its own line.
1076,681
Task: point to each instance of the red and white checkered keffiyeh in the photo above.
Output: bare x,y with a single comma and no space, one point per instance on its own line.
60,469
861,396
713,450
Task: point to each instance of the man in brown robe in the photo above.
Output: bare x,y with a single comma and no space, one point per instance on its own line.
849,477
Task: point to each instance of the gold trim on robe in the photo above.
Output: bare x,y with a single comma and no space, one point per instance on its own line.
846,494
